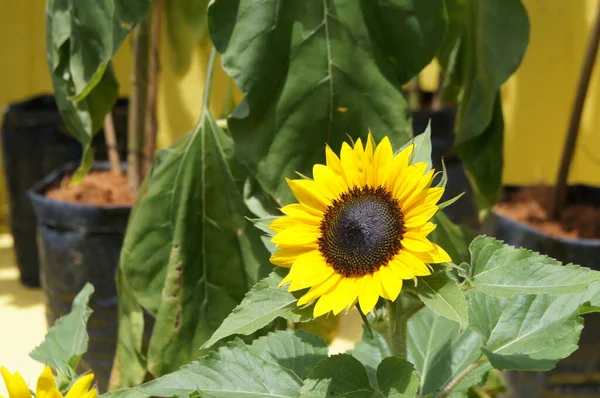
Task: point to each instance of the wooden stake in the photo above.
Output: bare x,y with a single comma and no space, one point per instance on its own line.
560,188
111,144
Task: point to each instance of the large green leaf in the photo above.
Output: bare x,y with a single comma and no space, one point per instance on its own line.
440,352
501,270
273,366
526,332
370,351
189,253
263,303
315,71
67,339
442,294
343,375
81,39
484,44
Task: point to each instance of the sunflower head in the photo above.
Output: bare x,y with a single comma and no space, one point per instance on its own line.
360,227
46,386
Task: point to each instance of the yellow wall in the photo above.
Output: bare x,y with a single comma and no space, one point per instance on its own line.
537,98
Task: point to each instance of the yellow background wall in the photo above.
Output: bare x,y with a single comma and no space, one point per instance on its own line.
537,99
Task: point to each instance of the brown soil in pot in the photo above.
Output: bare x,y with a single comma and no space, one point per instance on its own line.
98,188
529,206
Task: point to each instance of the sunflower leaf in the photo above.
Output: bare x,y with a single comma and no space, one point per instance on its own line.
263,303
314,71
503,271
67,340
440,352
441,293
526,332
344,375
370,352
422,151
272,366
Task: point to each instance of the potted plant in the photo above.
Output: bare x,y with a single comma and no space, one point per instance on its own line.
83,207
33,129
563,222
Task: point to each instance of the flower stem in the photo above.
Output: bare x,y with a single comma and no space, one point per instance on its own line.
399,313
456,381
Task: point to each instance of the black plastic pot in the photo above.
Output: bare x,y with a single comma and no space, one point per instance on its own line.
35,142
578,375
464,211
79,244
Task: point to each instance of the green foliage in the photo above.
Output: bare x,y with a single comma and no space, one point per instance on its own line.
455,239
80,42
67,340
189,254
484,44
526,332
440,352
343,375
315,71
263,303
272,366
501,270
441,293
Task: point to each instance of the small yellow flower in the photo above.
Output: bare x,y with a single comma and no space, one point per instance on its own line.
46,386
360,228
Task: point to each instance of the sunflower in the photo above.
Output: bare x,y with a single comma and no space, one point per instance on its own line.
46,386
360,228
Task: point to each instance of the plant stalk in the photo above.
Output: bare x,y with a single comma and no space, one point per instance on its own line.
151,123
456,381
137,104
111,144
399,312
560,187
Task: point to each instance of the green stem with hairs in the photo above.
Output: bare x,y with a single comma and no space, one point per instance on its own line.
399,312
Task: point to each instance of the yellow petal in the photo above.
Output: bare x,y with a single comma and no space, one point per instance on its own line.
435,256
91,394
333,162
81,387
338,298
299,235
424,230
285,257
299,210
414,264
308,270
382,161
400,268
390,282
319,290
416,242
330,184
15,385
349,163
283,223
408,181
368,161
419,216
398,167
307,193
361,162
379,285
429,196
367,297
46,385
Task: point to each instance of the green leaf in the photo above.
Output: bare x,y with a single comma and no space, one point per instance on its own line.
440,352
67,339
190,254
81,39
263,303
273,366
526,332
370,352
453,238
441,293
484,44
501,270
343,375
422,151
316,71
483,160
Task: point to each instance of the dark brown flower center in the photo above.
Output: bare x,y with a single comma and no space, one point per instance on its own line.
361,231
